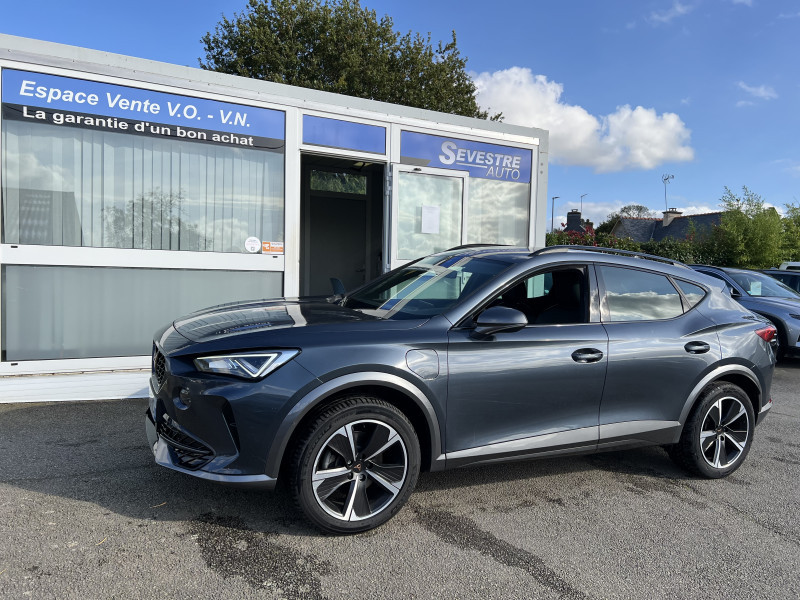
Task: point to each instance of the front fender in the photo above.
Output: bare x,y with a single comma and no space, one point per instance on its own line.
342,383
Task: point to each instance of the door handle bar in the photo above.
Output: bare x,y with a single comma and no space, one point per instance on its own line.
587,355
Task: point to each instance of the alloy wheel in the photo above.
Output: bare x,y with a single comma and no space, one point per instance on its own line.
359,470
725,432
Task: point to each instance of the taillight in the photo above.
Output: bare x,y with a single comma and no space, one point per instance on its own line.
767,333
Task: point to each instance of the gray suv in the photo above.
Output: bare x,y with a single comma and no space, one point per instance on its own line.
473,355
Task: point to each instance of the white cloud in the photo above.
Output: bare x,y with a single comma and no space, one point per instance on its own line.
698,209
667,16
789,15
629,138
789,166
742,103
744,2
763,92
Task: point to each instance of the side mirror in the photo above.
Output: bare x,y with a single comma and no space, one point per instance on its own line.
734,292
338,286
499,318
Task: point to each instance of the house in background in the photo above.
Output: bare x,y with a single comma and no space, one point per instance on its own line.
673,225
576,223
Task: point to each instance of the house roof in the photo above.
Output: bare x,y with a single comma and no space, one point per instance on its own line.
647,229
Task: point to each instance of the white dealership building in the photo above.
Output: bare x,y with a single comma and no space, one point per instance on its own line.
134,191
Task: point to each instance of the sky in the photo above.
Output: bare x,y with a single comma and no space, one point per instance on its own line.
705,90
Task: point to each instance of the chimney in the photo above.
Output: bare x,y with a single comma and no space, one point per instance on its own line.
574,221
670,214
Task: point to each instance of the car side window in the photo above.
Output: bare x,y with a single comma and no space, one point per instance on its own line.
633,295
693,293
553,297
717,276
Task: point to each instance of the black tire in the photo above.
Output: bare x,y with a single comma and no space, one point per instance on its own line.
718,433
341,493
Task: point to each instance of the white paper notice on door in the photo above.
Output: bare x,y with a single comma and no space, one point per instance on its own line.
430,219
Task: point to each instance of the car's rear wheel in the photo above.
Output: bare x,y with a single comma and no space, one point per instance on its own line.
356,465
718,433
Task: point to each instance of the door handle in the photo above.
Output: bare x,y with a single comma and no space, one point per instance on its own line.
587,355
697,347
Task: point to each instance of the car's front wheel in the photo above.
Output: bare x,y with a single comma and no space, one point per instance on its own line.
718,433
356,465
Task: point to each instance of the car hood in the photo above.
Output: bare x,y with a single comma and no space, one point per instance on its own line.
243,318
767,303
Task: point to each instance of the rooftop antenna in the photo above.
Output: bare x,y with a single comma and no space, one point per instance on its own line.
666,179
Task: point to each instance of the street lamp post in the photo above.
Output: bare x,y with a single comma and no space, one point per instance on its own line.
666,179
582,195
553,211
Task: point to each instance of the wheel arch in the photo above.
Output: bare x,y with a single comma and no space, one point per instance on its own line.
738,375
402,394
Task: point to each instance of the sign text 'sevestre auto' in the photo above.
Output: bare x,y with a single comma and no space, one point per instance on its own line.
482,160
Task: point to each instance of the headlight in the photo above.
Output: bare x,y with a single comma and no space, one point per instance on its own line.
250,365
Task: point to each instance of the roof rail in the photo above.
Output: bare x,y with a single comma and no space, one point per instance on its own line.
602,250
467,246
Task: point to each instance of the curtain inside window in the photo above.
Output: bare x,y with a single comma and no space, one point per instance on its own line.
64,186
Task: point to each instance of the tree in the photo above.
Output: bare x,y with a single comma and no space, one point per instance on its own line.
790,244
750,234
637,211
339,46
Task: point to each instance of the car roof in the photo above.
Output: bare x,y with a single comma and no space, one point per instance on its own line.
726,269
515,255
782,272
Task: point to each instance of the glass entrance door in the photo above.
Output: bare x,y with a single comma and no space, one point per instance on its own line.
428,211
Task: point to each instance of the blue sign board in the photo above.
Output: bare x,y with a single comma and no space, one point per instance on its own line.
486,161
336,133
56,94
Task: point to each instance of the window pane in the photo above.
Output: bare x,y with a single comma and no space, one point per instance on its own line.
86,312
430,214
340,182
694,293
633,295
73,187
551,298
498,212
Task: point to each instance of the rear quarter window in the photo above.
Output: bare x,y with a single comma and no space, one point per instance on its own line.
693,293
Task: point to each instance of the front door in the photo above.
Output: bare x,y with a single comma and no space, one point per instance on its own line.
535,389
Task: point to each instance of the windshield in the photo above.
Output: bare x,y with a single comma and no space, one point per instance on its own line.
756,284
425,288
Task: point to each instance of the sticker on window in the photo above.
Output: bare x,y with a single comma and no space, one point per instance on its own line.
272,247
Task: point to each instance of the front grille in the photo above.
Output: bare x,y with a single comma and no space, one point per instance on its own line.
189,452
159,367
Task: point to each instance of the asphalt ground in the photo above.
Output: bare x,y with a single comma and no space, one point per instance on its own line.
85,513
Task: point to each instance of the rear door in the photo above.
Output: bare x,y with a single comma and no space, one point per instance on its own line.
658,349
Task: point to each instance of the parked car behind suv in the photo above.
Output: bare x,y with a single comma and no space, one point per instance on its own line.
468,356
767,297
790,279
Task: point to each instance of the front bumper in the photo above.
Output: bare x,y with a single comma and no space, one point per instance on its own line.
169,453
